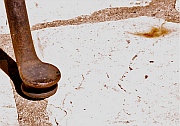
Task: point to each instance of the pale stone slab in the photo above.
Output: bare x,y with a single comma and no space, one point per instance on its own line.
108,78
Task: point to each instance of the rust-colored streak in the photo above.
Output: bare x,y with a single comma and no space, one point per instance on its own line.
154,32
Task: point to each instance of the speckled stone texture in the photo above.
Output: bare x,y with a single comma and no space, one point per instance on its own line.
111,74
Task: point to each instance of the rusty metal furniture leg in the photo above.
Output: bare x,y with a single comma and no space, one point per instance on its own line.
40,79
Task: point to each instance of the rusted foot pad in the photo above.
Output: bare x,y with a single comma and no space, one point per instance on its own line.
39,93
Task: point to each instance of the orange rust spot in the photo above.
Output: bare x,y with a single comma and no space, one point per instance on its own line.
154,32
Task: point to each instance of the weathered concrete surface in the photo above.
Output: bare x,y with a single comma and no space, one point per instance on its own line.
102,84
110,76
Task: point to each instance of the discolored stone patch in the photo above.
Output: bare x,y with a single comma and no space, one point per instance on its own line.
154,32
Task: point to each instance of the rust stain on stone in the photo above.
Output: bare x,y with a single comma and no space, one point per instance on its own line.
154,32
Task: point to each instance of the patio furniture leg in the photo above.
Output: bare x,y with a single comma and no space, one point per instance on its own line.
39,78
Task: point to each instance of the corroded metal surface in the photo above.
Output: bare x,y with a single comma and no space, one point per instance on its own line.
40,79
